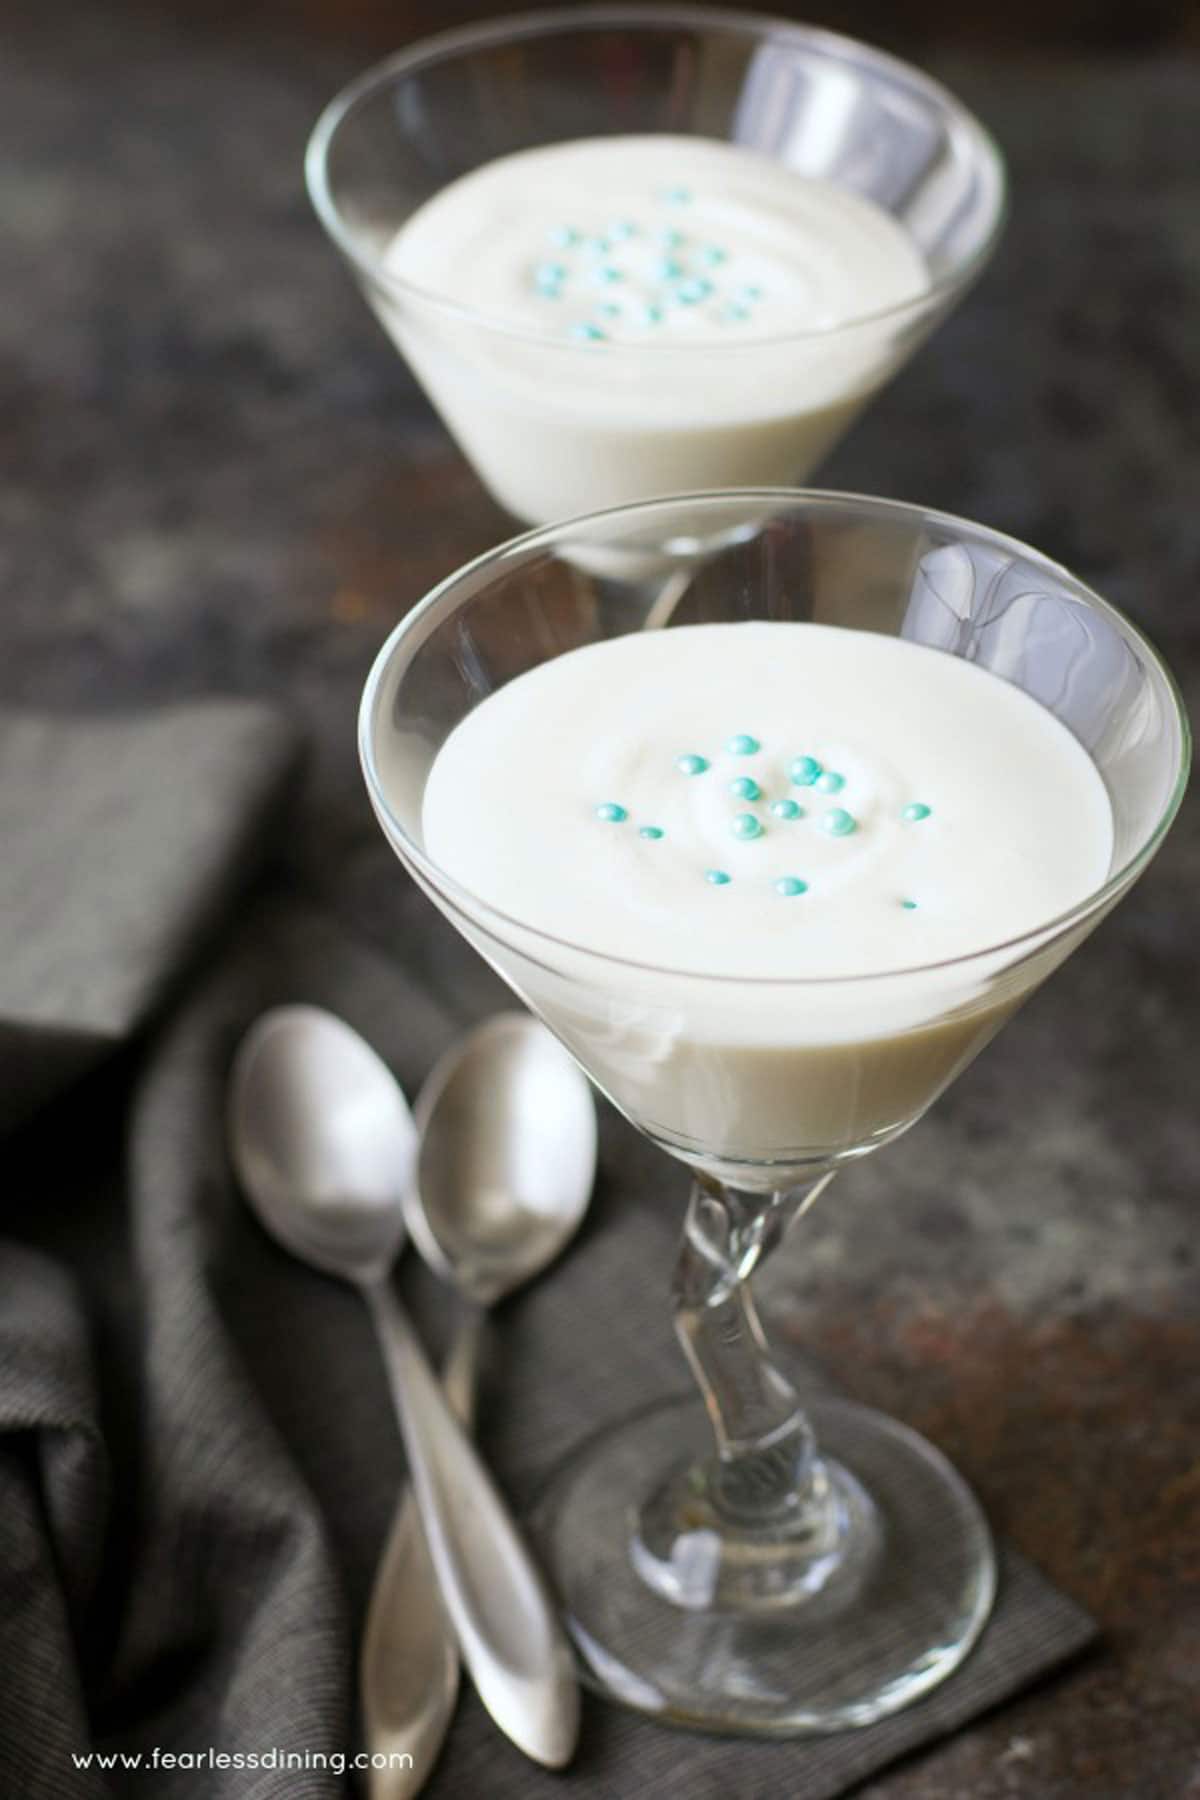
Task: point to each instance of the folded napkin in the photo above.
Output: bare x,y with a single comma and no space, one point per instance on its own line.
198,1460
119,849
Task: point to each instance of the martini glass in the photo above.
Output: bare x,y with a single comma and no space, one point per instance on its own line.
554,427
746,1563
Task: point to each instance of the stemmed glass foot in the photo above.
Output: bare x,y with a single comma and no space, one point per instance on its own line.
870,1620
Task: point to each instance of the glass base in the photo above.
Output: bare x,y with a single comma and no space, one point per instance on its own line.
896,1597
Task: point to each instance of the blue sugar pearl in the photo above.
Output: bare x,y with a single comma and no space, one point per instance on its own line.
611,813
717,878
563,237
786,809
743,745
669,270
745,788
804,771
829,782
839,823
588,334
690,293
712,256
746,827
916,812
790,885
909,905
691,764
651,831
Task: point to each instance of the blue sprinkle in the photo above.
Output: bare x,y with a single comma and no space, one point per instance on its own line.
839,823
669,240
743,745
588,334
786,809
790,885
611,813
676,196
651,831
606,275
693,291
804,771
735,312
917,811
691,764
717,878
744,787
670,270
830,782
749,294
563,237
620,230
599,246
909,905
712,256
651,315
609,309
550,271
746,826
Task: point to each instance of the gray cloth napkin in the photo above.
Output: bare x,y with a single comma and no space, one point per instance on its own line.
119,849
198,1461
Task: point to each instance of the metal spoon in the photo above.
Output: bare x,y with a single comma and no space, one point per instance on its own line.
507,1157
507,1164
323,1143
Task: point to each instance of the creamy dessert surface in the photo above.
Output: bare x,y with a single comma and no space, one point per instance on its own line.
657,239
769,801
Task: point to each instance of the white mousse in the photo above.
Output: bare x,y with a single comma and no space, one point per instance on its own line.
907,808
657,239
866,803
644,315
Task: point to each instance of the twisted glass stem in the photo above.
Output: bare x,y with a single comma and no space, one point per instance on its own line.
767,1470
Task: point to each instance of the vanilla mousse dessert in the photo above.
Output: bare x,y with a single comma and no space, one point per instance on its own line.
702,816
620,317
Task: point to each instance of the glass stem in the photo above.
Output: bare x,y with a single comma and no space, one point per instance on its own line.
767,1469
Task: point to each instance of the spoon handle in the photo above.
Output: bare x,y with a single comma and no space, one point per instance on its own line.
409,1666
503,1618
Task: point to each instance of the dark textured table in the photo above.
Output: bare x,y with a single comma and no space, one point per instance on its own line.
217,477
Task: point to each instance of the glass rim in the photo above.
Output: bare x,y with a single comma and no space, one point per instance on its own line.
560,21
465,900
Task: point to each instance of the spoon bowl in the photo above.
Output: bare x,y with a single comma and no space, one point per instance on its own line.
322,1140
507,1157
